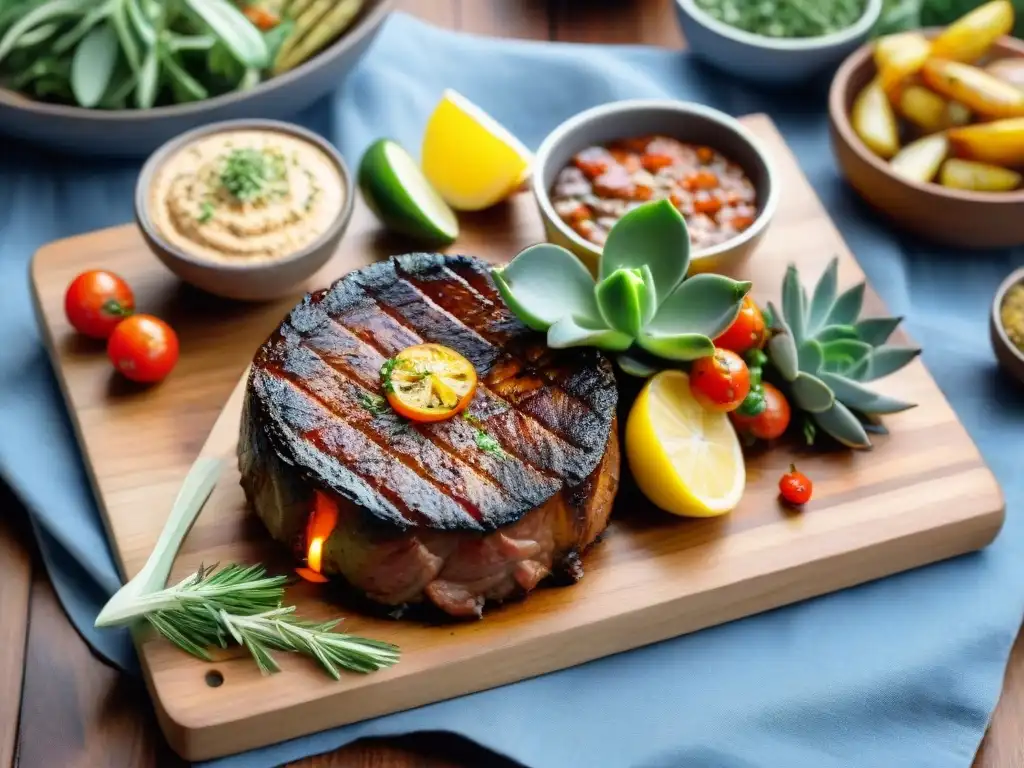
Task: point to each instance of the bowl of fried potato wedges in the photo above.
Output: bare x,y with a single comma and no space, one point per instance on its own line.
927,126
121,77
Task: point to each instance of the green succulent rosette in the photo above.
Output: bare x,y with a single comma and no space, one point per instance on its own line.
827,354
642,307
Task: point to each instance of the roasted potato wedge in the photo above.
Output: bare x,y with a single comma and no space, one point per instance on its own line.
1000,142
1009,70
920,160
979,177
968,38
899,56
981,92
874,120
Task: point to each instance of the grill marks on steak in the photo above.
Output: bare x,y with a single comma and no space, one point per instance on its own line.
314,374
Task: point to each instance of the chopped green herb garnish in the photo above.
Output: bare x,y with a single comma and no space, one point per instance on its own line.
375,404
484,440
205,212
253,175
385,373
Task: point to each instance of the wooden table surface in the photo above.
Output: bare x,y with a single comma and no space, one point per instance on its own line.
75,712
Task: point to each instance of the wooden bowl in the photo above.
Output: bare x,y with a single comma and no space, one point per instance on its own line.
1008,355
948,216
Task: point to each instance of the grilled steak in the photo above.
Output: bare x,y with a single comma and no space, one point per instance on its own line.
475,508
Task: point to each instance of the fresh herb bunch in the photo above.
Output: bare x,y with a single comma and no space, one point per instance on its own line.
244,605
786,18
905,15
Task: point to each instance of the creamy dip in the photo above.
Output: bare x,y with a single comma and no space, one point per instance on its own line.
246,195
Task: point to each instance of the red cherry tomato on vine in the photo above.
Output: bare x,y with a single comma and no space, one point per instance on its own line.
747,330
720,381
770,423
143,348
96,301
795,487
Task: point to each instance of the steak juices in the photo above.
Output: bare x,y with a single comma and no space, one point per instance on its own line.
480,507
601,183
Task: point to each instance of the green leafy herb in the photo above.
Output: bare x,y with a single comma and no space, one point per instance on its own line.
243,604
385,374
205,212
375,404
483,439
786,18
253,175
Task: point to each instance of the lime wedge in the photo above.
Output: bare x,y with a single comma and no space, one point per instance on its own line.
399,194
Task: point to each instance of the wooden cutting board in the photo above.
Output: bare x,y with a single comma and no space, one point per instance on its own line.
923,494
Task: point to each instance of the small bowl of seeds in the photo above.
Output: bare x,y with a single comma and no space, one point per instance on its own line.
1006,324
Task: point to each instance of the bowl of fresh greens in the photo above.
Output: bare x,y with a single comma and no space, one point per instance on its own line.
121,77
776,42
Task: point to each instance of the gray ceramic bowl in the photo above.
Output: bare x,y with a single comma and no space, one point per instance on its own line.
246,280
770,60
136,133
1008,355
680,120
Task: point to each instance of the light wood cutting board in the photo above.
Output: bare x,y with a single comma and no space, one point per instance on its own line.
923,494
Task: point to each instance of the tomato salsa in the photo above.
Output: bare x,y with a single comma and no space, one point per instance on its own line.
602,183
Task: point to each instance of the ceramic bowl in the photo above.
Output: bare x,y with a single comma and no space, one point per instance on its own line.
136,133
770,60
245,280
1008,355
952,217
680,120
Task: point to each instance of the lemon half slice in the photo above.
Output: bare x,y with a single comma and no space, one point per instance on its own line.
470,159
685,458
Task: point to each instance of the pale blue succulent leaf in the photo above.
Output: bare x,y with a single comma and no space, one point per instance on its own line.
841,424
654,234
824,297
543,283
877,330
811,394
681,347
704,304
651,299
844,353
888,359
794,304
847,307
836,332
810,356
781,347
641,365
576,332
856,396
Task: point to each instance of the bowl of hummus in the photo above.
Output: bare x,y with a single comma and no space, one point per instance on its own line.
247,209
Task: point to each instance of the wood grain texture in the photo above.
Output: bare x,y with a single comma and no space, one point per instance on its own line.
1001,748
15,590
654,577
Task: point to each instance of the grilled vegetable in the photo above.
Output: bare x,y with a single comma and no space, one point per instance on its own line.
979,177
874,121
317,23
1000,142
973,87
969,37
920,160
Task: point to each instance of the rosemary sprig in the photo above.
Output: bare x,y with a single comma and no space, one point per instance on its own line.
243,604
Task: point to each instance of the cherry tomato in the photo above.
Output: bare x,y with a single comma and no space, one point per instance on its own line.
429,382
772,422
795,487
143,348
747,330
96,301
720,381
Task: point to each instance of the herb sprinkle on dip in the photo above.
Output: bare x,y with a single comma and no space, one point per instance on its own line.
246,195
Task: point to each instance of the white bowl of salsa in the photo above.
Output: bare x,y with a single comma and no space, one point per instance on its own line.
602,162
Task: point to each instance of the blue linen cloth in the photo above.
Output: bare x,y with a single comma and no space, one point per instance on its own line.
898,673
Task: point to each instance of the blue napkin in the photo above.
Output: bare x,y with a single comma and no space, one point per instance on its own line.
901,672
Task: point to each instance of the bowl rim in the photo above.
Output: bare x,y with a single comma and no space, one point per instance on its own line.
871,14
1012,279
369,21
144,182
675,108
840,119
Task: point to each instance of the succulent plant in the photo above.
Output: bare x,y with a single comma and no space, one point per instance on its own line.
826,354
641,306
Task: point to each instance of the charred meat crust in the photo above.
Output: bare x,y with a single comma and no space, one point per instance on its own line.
550,410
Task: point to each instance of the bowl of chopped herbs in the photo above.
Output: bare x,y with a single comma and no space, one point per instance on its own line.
121,77
776,42
1006,324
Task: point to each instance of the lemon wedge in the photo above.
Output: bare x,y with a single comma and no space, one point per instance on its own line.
469,158
684,458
